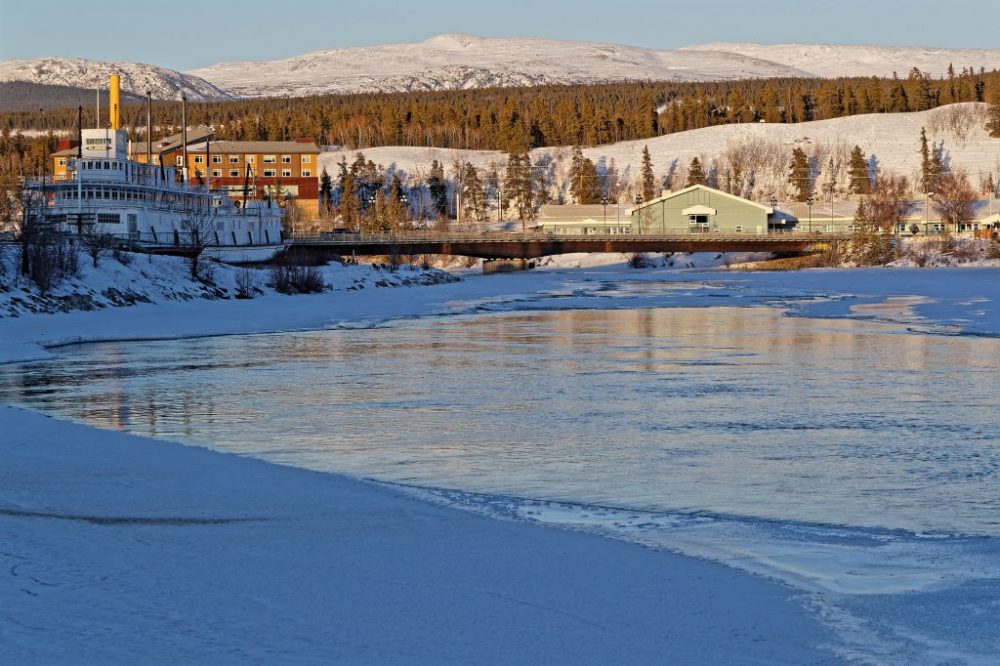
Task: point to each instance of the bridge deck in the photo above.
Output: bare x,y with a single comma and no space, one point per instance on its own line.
533,245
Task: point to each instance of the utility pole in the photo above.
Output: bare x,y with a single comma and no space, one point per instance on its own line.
184,138
149,128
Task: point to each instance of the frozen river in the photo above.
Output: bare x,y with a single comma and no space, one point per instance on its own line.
852,459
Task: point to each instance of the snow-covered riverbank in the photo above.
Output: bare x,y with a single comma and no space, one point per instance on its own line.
136,550
118,549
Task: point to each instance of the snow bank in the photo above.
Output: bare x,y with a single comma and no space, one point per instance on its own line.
120,549
135,279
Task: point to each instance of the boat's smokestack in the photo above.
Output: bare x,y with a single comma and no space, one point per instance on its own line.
114,102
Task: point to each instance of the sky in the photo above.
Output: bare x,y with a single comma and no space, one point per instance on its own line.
185,34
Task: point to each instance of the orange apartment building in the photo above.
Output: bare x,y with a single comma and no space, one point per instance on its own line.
285,170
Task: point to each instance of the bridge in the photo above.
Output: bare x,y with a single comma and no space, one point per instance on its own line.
531,245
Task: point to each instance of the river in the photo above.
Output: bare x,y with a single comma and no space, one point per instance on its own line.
850,458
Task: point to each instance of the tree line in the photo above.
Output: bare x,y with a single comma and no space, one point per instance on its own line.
519,119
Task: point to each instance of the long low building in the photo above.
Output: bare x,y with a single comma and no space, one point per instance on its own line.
703,209
700,209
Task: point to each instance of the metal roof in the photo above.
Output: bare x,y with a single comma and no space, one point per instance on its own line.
269,147
677,193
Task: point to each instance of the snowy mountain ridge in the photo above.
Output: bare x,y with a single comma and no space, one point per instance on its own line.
459,62
464,61
136,78
827,60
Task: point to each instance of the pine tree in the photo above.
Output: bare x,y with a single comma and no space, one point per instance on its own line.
584,184
397,212
938,169
858,169
350,209
993,114
473,196
696,173
926,175
438,189
648,177
325,193
519,187
798,175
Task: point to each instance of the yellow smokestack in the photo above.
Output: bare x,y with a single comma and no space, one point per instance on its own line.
115,102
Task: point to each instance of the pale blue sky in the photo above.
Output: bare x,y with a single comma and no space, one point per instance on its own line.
184,34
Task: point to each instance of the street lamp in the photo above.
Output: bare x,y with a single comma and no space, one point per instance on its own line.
604,202
638,220
774,208
809,202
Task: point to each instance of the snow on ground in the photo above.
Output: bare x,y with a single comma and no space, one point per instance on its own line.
118,549
892,139
135,279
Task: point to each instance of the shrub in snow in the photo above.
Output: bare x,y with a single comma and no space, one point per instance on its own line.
637,260
247,283
288,279
993,250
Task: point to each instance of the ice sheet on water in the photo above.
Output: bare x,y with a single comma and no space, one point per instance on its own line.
873,586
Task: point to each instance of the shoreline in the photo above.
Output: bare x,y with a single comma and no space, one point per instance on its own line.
475,295
27,338
187,565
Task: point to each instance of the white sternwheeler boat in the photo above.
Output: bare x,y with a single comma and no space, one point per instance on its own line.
150,207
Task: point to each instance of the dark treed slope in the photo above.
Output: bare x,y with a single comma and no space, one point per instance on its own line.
24,96
514,119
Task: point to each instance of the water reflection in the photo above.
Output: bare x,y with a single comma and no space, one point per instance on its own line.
737,411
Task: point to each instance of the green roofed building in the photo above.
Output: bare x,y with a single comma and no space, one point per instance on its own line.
702,209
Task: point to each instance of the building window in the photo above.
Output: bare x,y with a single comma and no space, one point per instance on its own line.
198,173
306,173
180,160
306,159
286,159
62,161
234,159
269,159
234,173
286,173
216,159
216,173
109,218
268,173
251,159
199,159
739,229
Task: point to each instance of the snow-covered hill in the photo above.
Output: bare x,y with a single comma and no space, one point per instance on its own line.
135,77
829,61
463,61
451,62
892,140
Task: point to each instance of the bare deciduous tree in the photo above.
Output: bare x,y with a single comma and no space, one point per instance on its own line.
954,198
96,244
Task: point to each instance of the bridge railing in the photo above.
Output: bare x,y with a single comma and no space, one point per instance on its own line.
416,236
